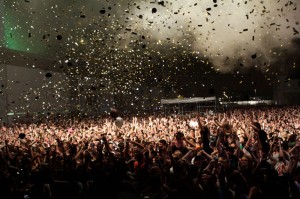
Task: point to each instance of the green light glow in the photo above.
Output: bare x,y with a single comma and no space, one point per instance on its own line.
17,33
13,32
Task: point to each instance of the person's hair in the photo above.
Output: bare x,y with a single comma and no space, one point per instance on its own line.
257,125
285,145
163,141
247,158
179,135
292,138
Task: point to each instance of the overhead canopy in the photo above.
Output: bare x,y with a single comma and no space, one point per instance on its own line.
187,100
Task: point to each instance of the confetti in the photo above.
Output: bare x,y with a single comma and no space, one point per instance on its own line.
48,75
126,48
59,37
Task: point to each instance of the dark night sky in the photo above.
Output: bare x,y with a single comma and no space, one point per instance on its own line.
192,48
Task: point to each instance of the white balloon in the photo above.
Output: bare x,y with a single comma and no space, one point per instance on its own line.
193,124
119,122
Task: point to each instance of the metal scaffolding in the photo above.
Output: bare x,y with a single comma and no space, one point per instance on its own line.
189,105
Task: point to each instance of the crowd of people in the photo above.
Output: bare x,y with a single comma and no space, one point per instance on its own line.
239,153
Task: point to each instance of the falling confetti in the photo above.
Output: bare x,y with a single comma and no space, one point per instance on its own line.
126,48
59,37
48,75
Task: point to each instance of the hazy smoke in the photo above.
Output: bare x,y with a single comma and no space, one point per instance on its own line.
231,34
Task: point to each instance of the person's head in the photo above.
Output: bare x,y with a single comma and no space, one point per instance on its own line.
162,143
198,160
221,161
227,128
244,162
230,138
285,145
230,150
292,138
205,177
275,148
256,126
177,155
179,136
